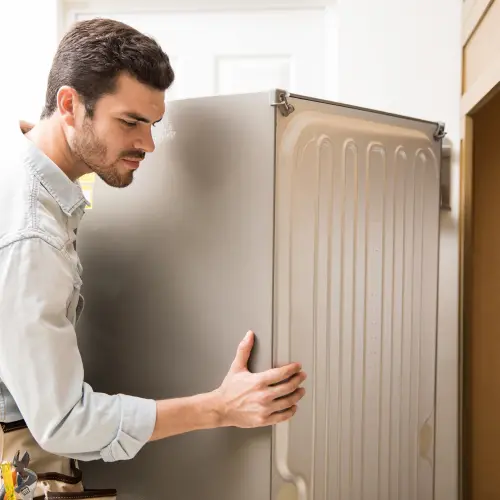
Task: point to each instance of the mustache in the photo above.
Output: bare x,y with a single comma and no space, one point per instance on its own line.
134,153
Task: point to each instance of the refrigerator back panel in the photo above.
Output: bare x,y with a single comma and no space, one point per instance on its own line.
356,273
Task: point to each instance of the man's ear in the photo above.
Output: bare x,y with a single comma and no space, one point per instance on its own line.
25,126
67,103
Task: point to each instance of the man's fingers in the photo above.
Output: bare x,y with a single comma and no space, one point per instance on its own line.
288,387
277,375
288,401
283,416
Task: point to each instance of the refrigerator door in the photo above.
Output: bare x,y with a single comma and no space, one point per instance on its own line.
177,267
356,256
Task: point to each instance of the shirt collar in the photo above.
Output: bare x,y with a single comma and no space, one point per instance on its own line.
68,194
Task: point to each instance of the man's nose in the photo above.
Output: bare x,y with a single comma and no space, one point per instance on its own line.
145,142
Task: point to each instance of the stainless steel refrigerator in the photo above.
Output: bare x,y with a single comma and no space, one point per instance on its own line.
316,224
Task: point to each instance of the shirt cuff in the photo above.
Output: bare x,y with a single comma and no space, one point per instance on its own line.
138,419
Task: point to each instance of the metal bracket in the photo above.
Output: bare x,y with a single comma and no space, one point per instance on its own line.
445,168
445,176
283,105
440,131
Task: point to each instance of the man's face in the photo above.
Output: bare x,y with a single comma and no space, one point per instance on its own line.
117,137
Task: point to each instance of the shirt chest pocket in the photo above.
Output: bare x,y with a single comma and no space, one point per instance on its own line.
76,301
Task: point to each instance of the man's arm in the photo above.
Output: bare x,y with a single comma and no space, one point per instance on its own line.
41,366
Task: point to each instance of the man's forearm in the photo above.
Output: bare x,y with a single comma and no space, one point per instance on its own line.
177,416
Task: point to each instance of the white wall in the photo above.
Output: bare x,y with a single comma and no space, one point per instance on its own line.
398,55
404,56
28,39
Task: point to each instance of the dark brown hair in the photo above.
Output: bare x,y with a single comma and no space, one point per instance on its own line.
93,53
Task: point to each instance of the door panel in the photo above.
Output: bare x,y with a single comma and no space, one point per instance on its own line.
238,52
481,50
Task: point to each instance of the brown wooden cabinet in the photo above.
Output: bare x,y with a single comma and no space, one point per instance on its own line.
480,166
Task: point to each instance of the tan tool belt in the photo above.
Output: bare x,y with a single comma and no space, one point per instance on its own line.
58,477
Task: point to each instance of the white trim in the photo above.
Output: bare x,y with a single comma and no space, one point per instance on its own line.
133,5
71,8
62,20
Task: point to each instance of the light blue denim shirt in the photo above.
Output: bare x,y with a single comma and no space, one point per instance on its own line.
41,372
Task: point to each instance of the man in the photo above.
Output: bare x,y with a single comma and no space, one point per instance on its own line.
106,90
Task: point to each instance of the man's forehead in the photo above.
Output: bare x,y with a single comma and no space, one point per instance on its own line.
128,83
141,103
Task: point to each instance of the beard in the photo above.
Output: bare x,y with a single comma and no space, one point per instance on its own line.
88,149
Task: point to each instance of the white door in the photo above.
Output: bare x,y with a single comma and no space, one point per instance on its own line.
224,52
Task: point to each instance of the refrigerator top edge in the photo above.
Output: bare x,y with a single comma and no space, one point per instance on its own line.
278,97
440,126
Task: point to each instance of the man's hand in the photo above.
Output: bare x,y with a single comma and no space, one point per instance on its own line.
258,399
243,400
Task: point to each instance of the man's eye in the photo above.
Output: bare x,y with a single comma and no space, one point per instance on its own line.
129,124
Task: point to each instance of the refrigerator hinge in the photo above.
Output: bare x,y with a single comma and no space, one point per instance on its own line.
282,103
440,131
445,176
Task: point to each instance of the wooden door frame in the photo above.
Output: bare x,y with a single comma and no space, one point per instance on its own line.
484,88
466,272
465,307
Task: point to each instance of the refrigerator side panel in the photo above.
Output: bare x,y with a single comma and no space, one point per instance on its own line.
356,275
177,267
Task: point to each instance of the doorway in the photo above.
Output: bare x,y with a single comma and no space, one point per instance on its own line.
482,309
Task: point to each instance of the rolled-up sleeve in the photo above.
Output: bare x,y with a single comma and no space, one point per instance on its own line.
42,368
